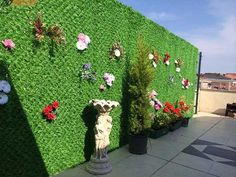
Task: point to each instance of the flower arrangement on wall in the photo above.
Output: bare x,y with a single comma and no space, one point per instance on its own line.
4,89
171,80
87,73
109,79
39,28
50,111
166,59
154,102
155,57
8,44
178,64
116,51
53,32
82,41
185,83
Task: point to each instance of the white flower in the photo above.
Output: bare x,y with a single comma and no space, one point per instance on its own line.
177,69
167,62
117,52
109,78
152,103
3,98
87,39
176,61
153,93
81,45
5,86
154,64
150,56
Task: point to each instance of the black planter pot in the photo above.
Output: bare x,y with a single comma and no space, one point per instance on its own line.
185,122
138,144
175,125
158,133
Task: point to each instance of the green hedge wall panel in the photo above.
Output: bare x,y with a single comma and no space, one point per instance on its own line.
39,78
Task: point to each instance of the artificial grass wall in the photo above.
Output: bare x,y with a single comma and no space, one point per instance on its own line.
39,78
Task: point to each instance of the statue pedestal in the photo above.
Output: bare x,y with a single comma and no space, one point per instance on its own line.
99,164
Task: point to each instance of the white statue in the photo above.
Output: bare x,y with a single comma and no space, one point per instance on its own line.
99,161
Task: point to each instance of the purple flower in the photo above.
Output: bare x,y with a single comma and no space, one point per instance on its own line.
86,66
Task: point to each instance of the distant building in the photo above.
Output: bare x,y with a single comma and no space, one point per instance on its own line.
230,76
217,81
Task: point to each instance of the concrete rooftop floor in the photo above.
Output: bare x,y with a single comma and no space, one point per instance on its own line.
207,148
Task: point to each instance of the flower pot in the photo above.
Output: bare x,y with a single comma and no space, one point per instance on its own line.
158,133
138,144
185,122
175,125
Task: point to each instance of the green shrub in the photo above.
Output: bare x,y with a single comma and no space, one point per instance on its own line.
141,75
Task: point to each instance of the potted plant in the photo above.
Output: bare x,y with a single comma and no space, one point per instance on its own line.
186,113
141,75
160,125
175,115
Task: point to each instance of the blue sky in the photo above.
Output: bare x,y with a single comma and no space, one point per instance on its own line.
208,24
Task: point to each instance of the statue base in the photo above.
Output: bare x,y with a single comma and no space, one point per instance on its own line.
98,166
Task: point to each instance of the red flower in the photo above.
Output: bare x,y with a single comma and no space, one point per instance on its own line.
55,104
181,103
48,111
51,116
166,110
168,105
167,57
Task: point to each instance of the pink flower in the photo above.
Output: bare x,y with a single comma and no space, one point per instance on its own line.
8,43
109,78
83,38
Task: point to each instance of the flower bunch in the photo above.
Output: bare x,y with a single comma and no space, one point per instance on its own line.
155,57
39,28
154,102
4,89
166,59
49,112
169,108
56,34
116,51
185,83
87,74
8,44
82,41
109,78
178,64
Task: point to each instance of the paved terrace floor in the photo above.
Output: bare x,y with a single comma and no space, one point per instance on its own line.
207,148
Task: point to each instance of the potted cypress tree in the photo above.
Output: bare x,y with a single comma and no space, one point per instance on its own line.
140,75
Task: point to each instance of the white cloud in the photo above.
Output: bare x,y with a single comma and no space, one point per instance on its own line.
219,48
162,16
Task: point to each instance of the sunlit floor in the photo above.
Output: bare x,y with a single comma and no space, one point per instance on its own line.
207,148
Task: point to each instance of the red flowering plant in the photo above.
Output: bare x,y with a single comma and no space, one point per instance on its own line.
39,28
185,109
173,111
49,111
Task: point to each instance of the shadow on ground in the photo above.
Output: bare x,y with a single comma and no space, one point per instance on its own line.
19,153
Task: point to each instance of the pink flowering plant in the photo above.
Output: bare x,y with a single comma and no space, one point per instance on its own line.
8,44
109,79
82,41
